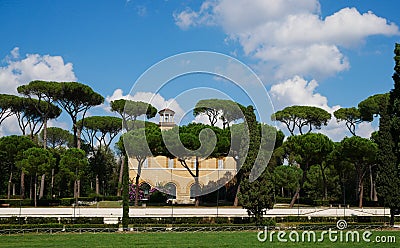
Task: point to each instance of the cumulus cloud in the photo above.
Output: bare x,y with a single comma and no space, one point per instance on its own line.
290,35
21,70
298,91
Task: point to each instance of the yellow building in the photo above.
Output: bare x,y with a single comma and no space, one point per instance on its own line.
166,173
163,172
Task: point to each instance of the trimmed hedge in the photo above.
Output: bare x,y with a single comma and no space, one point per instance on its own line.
55,225
17,202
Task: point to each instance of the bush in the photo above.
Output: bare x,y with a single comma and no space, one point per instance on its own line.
158,197
111,198
17,202
30,226
82,220
321,203
56,225
67,201
91,226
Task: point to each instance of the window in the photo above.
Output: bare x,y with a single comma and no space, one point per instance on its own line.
146,163
170,163
220,164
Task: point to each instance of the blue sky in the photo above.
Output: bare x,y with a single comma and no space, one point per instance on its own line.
323,53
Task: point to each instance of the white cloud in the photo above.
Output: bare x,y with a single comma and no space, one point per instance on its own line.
141,10
18,71
297,91
290,35
189,18
316,60
15,53
10,126
186,18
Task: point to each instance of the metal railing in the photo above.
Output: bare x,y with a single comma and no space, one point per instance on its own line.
184,229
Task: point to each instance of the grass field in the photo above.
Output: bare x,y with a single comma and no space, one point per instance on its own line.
176,240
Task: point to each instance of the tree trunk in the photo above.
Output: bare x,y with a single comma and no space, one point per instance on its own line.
75,133
361,194
35,191
9,186
97,185
42,185
75,190
78,142
236,201
31,188
197,197
125,195
391,222
52,183
22,189
196,181
296,195
137,190
324,182
121,173
373,193
139,171
45,133
78,188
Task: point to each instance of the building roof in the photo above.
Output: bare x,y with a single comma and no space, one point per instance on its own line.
166,111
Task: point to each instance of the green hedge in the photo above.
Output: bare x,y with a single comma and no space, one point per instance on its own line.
55,225
51,220
17,202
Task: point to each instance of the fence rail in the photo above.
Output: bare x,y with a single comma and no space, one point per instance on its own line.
183,229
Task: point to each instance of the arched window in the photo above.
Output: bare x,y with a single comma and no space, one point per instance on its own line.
170,189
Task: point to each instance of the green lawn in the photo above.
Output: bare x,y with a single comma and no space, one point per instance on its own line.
176,240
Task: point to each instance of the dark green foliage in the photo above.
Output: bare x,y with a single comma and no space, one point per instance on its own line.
35,162
101,129
389,147
351,116
6,106
226,110
77,98
125,194
361,153
319,190
29,115
58,137
257,196
302,116
373,106
131,110
11,151
196,141
286,180
73,165
307,150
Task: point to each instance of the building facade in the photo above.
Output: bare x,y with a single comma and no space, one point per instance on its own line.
170,176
